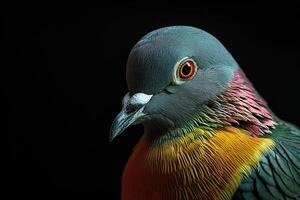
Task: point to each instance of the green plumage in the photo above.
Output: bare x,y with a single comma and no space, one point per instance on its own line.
278,174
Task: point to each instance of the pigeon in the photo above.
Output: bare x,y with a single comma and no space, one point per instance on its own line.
208,134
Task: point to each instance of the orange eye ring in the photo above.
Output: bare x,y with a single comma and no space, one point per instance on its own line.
187,70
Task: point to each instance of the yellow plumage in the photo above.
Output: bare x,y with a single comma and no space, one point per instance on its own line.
192,167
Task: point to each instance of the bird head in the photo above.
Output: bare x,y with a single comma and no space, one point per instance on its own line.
171,74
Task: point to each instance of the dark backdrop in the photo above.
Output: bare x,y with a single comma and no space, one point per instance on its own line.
63,77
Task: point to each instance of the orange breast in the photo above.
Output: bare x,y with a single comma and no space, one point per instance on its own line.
192,168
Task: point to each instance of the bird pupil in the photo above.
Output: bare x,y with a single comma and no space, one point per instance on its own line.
186,70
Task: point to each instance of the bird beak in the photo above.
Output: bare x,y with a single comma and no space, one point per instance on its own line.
131,113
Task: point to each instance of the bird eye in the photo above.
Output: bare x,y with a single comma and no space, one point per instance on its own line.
184,70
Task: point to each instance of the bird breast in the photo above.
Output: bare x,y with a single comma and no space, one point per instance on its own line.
192,168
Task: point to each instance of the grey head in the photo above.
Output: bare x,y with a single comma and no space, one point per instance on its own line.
160,95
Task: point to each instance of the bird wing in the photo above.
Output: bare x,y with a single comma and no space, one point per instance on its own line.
278,174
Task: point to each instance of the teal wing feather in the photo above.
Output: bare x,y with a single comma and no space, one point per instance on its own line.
278,174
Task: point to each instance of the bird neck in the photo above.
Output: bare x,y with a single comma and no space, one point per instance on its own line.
239,106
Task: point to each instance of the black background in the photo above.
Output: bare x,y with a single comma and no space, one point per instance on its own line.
63,77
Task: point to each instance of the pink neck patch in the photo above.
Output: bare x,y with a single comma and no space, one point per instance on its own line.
244,107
